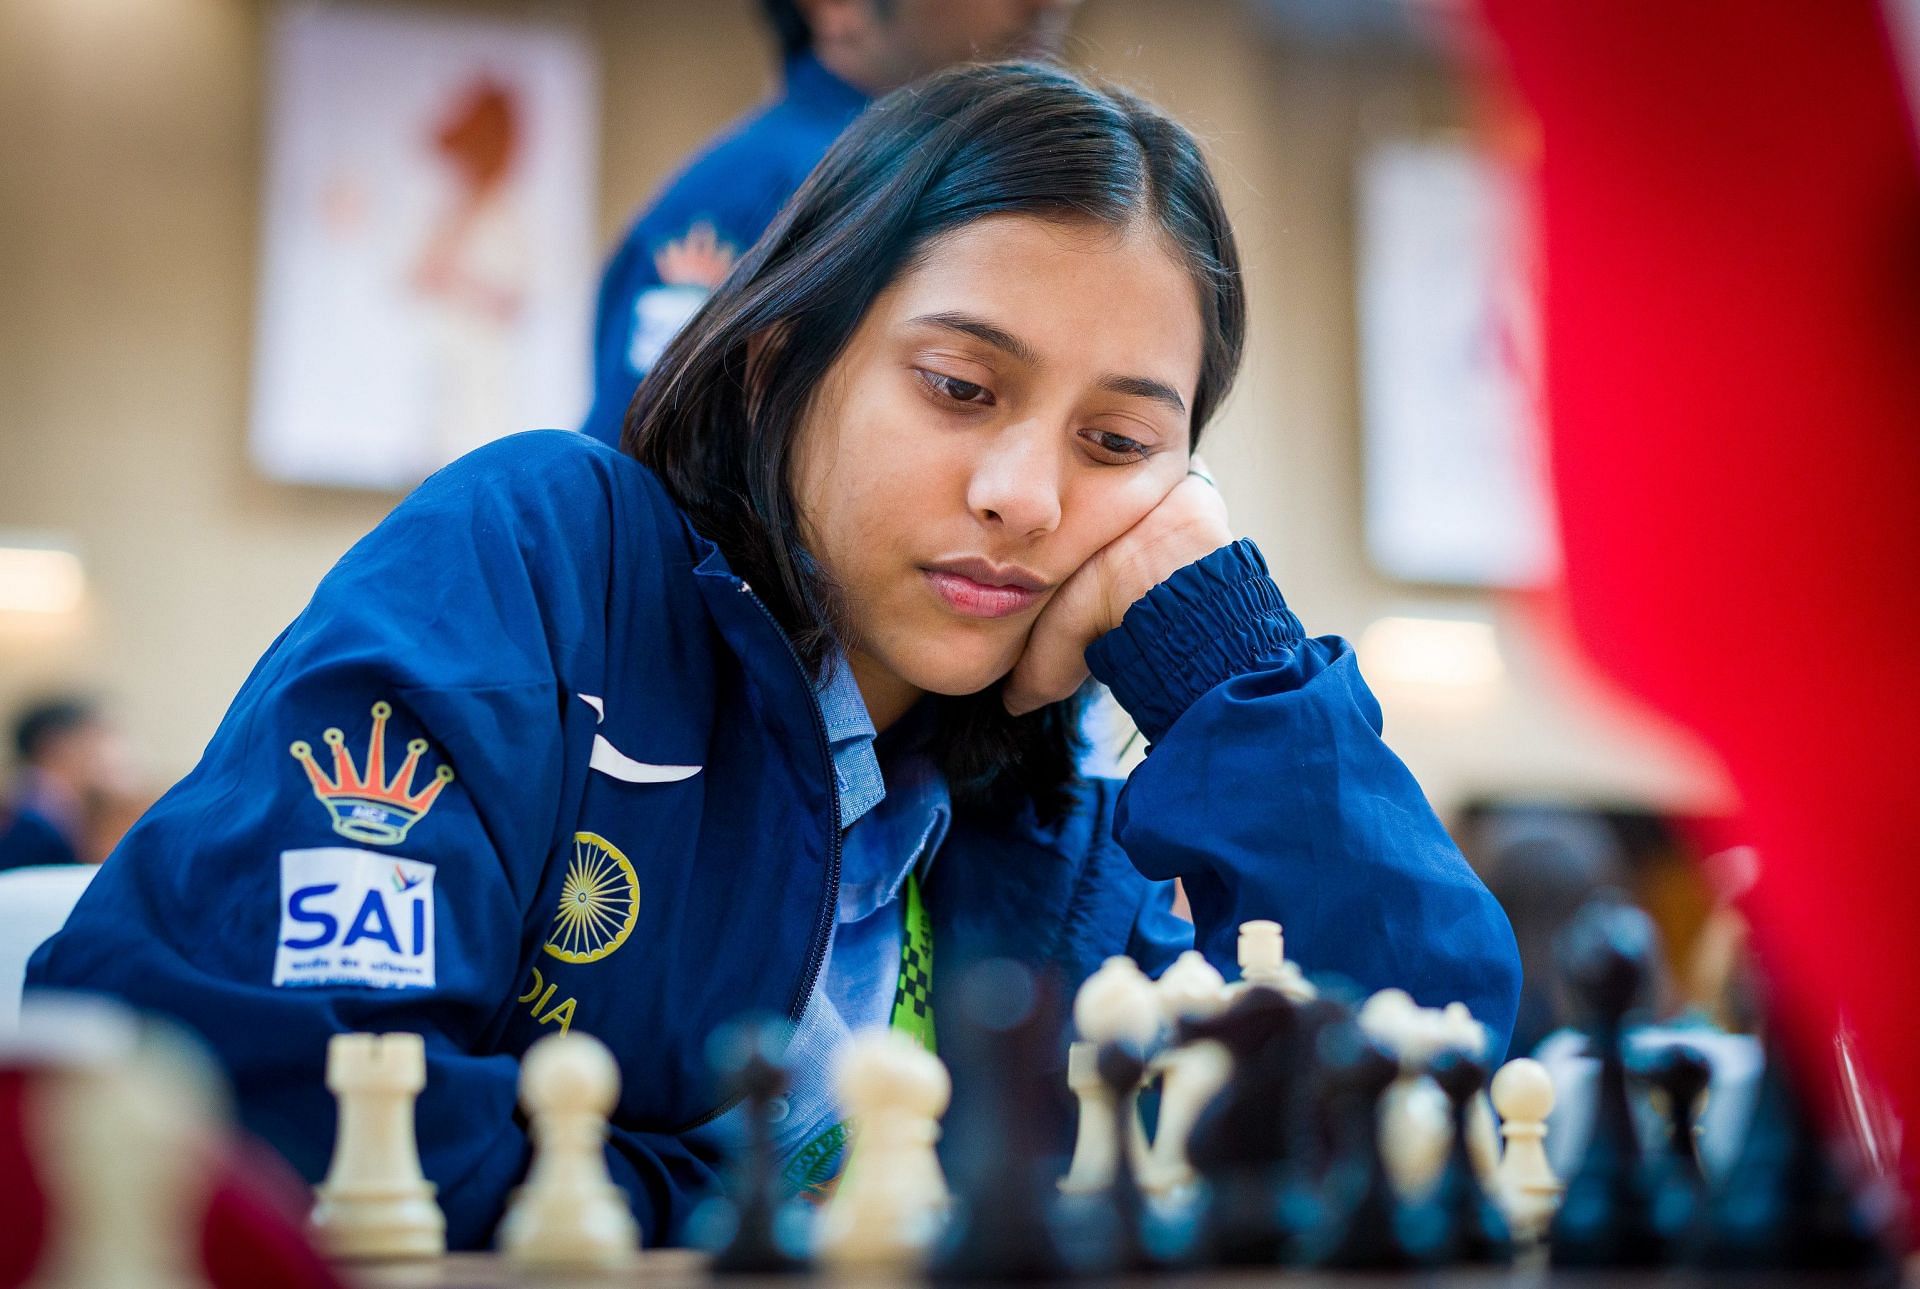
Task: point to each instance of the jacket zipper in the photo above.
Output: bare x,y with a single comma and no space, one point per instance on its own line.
823,926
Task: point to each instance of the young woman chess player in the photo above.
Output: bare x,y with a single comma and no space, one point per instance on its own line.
578,738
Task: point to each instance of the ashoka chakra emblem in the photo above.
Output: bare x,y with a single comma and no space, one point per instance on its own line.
598,902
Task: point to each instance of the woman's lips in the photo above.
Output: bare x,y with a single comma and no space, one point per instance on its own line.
977,600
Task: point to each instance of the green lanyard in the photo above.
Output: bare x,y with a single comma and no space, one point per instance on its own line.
912,997
815,1163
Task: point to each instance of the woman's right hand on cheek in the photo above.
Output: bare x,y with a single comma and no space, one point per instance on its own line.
1190,523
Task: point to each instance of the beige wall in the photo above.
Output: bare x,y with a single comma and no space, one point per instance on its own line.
129,182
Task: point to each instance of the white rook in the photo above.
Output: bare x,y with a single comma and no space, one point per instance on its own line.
1262,953
375,1202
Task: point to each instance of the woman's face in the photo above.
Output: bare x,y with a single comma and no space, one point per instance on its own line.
1005,409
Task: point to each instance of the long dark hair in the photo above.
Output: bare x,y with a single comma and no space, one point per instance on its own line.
972,141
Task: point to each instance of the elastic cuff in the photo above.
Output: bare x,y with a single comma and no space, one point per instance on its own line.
1215,619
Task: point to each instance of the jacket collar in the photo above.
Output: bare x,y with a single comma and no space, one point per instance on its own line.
815,91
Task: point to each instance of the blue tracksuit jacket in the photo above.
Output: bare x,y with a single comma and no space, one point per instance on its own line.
535,758
706,217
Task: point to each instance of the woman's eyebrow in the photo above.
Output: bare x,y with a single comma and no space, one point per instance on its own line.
967,324
980,329
1145,387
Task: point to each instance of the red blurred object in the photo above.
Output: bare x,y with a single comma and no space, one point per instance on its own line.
255,1227
251,1234
22,1206
1729,212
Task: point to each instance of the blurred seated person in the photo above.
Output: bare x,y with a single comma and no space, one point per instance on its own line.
835,55
70,773
1542,862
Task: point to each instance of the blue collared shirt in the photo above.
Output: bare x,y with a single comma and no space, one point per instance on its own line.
892,823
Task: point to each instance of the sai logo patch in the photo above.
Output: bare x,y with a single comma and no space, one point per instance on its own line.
599,902
354,917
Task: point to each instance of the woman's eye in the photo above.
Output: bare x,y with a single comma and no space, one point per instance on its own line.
960,391
1119,445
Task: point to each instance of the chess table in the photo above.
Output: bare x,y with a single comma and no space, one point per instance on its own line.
685,1269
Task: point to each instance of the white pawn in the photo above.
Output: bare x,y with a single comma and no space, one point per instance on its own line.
569,1213
1191,989
1118,1003
1524,1183
892,1199
375,1202
1262,954
127,1142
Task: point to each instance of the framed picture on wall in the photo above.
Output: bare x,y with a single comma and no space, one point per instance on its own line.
1455,489
428,239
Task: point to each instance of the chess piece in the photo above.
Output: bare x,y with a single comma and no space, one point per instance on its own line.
569,1213
127,1145
1118,1003
1314,1131
1417,1123
1004,1025
1458,1222
1606,1216
1093,1144
1189,989
1413,1113
763,1240
1243,1144
1121,1068
1355,1222
892,1198
375,1202
1524,1182
1262,955
1193,1074
1190,1072
1679,1075
1792,1202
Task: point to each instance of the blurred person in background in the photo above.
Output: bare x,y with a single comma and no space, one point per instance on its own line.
72,770
836,55
1542,863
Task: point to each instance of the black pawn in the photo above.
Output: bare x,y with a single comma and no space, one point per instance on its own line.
1458,1222
1000,1040
1242,1143
760,1244
1356,1224
1792,1202
1121,1069
1680,1074
1606,1217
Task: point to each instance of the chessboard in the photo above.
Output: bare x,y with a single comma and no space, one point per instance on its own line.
1294,1132
662,1268
683,1269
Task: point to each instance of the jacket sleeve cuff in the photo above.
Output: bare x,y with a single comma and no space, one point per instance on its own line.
1215,619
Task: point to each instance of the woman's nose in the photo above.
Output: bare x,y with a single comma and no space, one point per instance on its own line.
1016,483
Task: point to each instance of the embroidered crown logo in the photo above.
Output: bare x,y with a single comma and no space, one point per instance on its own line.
367,806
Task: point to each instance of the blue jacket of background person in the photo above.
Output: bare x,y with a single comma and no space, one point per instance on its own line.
534,758
29,839
682,246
